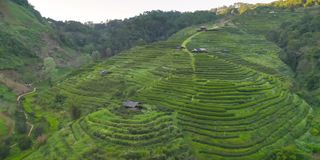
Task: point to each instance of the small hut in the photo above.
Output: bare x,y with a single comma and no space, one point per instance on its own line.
132,105
202,28
200,50
104,72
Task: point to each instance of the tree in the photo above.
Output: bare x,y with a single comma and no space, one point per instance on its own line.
38,131
40,127
60,99
309,3
289,153
114,36
83,60
107,53
4,150
313,82
20,122
244,8
24,143
75,112
49,68
95,55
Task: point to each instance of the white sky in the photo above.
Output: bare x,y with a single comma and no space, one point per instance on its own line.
101,10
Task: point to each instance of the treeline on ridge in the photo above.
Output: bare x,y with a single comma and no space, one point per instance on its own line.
108,38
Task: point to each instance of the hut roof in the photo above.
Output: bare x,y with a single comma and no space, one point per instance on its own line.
104,72
199,50
131,104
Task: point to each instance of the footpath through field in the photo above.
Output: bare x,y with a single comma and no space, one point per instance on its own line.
25,114
184,45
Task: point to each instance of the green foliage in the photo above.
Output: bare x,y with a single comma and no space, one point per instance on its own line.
214,105
313,82
39,129
6,94
3,128
4,150
116,35
75,113
24,142
292,3
20,122
290,153
60,99
84,60
96,55
299,40
230,102
49,68
12,51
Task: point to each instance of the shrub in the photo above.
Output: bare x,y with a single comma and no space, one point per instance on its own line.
290,153
4,151
75,113
60,99
314,131
20,122
25,143
41,140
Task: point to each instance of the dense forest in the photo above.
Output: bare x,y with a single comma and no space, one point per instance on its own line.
106,39
301,50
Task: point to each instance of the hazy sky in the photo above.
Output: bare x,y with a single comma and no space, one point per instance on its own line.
101,10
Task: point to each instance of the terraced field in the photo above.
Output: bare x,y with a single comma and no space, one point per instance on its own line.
195,106
150,136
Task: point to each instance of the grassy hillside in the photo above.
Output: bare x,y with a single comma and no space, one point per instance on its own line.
7,106
37,53
233,102
21,34
195,106
26,40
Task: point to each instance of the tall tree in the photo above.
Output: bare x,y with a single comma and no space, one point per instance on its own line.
49,68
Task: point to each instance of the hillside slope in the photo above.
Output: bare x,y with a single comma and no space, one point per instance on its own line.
199,106
233,102
36,52
26,38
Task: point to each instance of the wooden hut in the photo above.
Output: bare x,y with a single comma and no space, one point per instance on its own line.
132,105
202,28
104,72
199,50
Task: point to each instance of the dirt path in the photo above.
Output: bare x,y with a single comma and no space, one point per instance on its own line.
184,44
24,94
25,114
